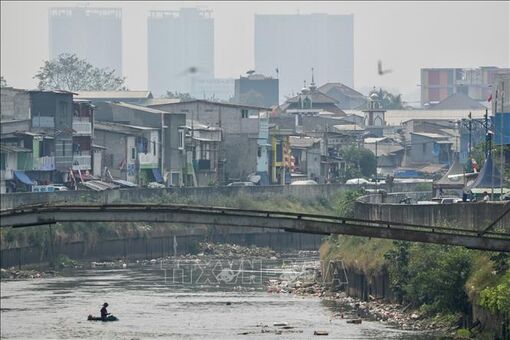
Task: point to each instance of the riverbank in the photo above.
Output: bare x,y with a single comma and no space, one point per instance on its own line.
355,310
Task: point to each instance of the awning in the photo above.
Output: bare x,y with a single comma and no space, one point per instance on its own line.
23,178
157,175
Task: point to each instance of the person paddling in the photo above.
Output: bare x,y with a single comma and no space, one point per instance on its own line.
104,312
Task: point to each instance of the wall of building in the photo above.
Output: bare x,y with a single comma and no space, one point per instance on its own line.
15,104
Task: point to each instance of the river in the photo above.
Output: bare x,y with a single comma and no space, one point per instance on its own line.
180,300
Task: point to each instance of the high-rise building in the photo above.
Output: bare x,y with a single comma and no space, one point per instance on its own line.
180,49
439,83
289,46
94,34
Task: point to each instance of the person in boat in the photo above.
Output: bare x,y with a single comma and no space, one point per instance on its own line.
104,312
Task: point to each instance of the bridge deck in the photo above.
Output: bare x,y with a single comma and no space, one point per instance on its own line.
221,216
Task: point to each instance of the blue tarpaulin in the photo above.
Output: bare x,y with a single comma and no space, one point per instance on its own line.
157,175
22,177
501,126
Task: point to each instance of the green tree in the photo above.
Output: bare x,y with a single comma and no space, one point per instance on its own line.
70,73
3,82
178,95
390,101
398,267
437,275
359,162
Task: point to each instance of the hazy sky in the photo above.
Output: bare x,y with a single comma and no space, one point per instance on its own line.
404,35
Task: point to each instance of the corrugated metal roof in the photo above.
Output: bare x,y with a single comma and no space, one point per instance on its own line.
430,135
114,94
13,148
138,107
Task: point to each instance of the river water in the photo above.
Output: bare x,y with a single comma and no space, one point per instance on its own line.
177,299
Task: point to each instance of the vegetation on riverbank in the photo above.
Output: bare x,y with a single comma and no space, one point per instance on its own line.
440,282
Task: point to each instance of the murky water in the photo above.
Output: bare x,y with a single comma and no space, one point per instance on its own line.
173,301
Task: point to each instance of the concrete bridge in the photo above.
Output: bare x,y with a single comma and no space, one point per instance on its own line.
483,238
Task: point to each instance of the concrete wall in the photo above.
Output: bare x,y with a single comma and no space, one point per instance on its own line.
474,215
149,248
15,104
201,195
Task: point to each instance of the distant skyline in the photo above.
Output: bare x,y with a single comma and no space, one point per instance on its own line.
406,36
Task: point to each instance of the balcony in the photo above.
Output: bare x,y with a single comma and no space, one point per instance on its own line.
44,163
6,175
83,128
82,162
148,160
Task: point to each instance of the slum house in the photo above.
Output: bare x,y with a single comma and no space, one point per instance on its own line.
240,126
388,152
307,153
173,156
202,144
52,135
430,148
133,152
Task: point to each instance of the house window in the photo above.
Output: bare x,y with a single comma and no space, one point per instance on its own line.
63,148
154,148
424,148
133,153
204,150
244,113
181,139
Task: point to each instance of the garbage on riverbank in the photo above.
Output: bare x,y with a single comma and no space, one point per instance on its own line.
15,274
355,310
234,250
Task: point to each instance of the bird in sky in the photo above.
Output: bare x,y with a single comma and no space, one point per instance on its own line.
380,69
191,70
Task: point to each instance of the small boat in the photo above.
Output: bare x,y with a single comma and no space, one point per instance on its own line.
98,318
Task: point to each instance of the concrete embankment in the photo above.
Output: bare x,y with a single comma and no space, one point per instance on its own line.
199,195
155,247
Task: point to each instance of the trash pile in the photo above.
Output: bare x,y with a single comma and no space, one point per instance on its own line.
14,274
355,310
234,250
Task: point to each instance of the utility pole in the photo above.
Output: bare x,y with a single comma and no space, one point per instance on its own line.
501,139
470,127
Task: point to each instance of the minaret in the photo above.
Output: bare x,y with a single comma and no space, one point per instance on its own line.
374,113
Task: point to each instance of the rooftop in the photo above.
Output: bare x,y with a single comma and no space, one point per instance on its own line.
458,101
114,94
137,107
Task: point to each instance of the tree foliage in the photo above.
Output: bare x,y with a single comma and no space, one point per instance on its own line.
3,82
359,162
390,101
398,267
437,275
178,95
70,73
497,298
